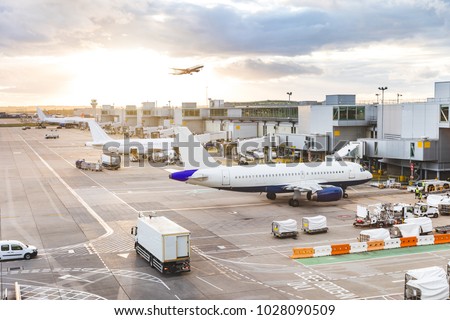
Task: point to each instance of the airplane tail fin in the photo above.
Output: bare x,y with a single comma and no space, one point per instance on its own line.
193,154
41,114
98,134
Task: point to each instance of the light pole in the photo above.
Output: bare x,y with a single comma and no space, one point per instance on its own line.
289,95
381,133
398,97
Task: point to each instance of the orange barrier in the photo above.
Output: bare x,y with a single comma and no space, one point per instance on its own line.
340,249
441,238
375,245
298,253
408,242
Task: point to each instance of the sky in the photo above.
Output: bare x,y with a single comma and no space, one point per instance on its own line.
120,52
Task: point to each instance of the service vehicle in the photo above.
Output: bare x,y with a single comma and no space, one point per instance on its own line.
111,160
429,186
285,228
13,249
315,224
51,136
164,244
377,215
422,209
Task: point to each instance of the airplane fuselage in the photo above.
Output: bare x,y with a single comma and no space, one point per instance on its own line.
275,178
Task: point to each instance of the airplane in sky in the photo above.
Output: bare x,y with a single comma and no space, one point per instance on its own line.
321,181
190,70
60,121
123,146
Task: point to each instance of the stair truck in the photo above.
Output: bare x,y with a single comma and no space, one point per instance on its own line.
164,244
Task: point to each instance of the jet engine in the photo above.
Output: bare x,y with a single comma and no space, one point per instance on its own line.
328,194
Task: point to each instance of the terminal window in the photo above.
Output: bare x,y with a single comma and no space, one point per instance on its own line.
444,113
349,113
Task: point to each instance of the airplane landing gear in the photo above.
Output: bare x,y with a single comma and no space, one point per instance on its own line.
309,195
271,195
345,195
294,201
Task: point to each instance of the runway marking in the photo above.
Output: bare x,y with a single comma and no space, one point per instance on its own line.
99,184
219,265
209,283
94,214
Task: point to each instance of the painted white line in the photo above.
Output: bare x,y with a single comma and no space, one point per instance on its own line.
403,280
94,214
209,283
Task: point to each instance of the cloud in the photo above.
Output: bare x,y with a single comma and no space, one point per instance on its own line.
178,28
257,69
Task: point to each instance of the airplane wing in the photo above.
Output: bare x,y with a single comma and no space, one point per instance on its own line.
305,186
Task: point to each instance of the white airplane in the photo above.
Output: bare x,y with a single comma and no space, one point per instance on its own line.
61,121
324,181
123,146
190,70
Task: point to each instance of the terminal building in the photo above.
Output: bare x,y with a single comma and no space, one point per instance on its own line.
405,139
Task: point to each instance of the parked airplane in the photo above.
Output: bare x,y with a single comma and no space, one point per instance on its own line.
124,146
190,70
324,181
61,121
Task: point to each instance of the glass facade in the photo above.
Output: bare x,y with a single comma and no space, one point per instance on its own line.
191,113
277,113
444,113
131,112
349,113
218,112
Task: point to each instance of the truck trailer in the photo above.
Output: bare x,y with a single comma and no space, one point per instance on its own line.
163,244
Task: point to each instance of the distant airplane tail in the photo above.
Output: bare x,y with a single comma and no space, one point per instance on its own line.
98,134
41,114
193,154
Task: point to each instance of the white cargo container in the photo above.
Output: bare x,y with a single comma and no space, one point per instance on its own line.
285,228
316,224
426,284
425,223
163,243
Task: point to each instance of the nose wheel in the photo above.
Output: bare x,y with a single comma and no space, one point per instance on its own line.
294,203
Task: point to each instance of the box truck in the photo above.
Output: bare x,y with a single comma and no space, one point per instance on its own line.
163,243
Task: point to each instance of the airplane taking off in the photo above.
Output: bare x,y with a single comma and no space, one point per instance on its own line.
190,70
123,146
60,121
324,181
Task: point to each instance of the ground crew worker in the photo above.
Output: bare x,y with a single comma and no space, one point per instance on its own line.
417,193
420,195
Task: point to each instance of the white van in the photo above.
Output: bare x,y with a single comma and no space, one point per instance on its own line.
13,249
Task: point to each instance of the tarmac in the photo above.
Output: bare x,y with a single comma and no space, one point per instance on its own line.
81,221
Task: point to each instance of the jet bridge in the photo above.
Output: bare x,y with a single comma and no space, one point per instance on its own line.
353,149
